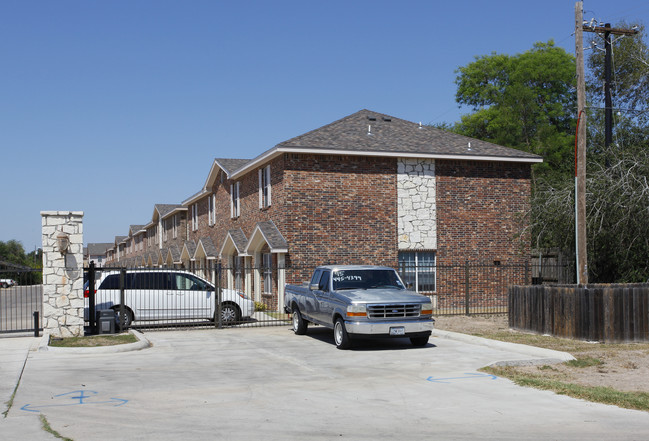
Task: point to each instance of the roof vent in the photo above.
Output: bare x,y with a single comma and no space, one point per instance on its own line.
369,130
387,119
372,118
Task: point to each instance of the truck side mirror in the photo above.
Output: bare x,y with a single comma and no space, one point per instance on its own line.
314,287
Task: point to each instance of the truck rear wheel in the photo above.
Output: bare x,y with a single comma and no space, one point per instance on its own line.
340,335
299,324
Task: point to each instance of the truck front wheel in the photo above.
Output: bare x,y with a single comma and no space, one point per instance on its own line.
340,335
299,324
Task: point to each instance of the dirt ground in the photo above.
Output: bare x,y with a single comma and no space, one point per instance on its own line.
623,367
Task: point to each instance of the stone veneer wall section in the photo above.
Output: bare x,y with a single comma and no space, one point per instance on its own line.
417,222
63,303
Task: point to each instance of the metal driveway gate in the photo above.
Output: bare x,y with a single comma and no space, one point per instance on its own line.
21,300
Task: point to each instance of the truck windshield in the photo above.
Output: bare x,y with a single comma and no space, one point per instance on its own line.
366,279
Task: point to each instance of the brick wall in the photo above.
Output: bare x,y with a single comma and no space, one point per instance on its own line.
250,212
480,209
340,210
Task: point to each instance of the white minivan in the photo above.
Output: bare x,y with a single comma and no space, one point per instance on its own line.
159,295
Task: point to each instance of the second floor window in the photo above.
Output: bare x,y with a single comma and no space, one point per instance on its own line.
194,217
174,226
264,187
211,211
235,205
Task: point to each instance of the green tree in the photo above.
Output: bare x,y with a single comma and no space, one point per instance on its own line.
525,101
13,252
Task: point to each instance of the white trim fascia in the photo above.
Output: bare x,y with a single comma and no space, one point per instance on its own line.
172,212
270,154
195,198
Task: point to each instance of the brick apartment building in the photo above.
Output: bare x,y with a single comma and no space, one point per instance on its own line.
366,189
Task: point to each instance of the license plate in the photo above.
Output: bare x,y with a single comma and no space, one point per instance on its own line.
398,331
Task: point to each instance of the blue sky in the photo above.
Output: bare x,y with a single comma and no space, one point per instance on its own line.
110,107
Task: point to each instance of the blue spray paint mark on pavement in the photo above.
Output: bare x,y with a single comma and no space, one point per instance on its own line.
76,398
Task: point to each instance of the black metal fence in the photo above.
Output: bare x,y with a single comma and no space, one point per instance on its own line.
247,296
21,300
470,288
145,298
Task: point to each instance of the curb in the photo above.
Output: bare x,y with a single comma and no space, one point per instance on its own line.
540,356
141,343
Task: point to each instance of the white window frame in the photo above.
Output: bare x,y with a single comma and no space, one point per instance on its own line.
419,267
237,262
235,200
264,187
195,217
267,272
164,230
174,226
210,210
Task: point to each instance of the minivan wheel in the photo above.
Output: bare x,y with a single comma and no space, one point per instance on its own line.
128,317
230,313
340,335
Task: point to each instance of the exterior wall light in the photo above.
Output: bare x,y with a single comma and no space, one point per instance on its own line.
63,241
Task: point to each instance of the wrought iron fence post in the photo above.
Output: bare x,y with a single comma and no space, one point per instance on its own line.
92,318
219,295
36,324
122,299
467,295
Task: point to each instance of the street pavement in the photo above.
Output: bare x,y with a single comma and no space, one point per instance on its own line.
267,383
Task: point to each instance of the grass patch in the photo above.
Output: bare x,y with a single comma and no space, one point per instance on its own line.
605,395
46,427
93,341
585,362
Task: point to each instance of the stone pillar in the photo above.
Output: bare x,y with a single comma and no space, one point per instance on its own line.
63,303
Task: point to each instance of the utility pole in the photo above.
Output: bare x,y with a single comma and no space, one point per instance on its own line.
607,31
580,152
580,142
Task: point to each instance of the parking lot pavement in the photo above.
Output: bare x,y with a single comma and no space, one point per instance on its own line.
268,383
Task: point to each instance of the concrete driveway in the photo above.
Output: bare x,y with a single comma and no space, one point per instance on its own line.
267,383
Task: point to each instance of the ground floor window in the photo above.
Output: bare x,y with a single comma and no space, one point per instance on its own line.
237,262
267,263
417,269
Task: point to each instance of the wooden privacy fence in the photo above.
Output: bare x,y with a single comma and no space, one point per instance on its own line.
612,313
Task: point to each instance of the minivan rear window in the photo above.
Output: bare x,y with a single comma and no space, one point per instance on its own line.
112,282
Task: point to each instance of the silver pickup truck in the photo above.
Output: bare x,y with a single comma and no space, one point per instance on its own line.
360,301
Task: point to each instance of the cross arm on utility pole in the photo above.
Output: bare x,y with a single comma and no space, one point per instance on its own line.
614,31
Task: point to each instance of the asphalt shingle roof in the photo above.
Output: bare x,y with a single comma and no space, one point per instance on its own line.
230,164
272,235
239,239
165,209
208,246
376,132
